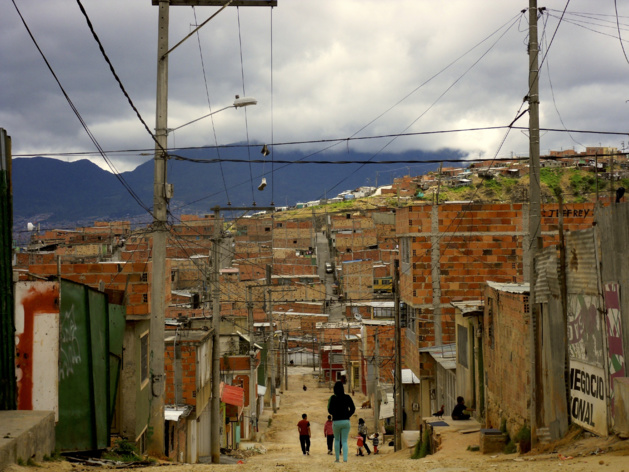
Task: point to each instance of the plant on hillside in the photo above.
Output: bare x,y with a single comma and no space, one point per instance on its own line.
551,177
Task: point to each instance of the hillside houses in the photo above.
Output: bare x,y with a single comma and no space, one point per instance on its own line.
462,283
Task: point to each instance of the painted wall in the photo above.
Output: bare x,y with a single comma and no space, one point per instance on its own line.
37,345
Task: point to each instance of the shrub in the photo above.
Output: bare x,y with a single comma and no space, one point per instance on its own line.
123,451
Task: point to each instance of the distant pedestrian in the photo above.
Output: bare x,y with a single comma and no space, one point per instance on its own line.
362,431
328,432
341,407
304,434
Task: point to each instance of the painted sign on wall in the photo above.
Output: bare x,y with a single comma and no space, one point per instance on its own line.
588,384
588,407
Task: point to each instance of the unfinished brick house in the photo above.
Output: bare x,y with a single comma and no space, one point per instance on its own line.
448,252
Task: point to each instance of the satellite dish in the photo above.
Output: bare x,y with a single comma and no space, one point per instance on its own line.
357,316
30,226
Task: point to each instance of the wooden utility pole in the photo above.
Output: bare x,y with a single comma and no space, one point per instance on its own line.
398,358
535,232
162,193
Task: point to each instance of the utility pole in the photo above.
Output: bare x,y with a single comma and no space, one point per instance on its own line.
534,210
272,349
162,192
253,382
398,358
376,390
215,439
286,361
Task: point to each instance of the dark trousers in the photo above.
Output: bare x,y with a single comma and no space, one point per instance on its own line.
364,436
330,438
305,443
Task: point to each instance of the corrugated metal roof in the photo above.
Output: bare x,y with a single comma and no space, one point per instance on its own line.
510,288
469,306
233,395
581,264
547,281
445,355
408,377
175,413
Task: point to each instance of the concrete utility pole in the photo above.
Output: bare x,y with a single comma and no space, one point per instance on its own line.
398,359
535,232
253,382
376,392
215,429
162,192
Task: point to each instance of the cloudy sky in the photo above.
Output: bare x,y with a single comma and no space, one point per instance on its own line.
320,69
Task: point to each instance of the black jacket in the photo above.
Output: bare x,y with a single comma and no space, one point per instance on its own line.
341,408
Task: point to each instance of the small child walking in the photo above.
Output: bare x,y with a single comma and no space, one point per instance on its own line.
376,441
359,444
328,432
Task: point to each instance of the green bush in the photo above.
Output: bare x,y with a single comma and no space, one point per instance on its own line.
123,451
422,446
510,448
523,438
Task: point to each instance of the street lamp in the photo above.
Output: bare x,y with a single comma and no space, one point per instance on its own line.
238,103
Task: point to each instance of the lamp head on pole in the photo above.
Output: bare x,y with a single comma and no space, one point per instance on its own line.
244,101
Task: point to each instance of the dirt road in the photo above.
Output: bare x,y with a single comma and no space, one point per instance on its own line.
283,452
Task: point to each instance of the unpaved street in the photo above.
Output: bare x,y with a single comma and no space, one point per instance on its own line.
284,454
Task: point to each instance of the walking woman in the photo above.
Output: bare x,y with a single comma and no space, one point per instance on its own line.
362,431
341,407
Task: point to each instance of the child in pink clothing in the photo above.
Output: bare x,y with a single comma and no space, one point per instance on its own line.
328,432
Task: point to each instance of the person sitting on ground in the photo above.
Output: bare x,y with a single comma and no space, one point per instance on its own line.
459,411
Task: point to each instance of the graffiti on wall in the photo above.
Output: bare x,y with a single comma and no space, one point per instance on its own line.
69,348
588,385
585,340
613,324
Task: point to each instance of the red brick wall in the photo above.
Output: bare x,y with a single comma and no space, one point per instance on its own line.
506,358
477,242
189,374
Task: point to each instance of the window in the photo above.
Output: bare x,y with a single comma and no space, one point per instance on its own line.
278,225
383,312
145,298
144,359
144,277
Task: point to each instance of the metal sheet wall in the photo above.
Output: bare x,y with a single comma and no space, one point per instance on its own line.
85,397
8,399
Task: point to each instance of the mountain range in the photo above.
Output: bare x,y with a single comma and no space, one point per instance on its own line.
58,194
